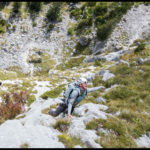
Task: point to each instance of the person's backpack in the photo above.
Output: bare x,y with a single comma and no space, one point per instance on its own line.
69,90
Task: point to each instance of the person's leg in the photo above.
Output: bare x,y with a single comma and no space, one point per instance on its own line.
72,109
59,110
66,110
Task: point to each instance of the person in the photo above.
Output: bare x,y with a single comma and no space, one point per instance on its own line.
0,83
76,96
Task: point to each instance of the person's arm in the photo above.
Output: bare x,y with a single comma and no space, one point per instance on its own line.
72,99
95,89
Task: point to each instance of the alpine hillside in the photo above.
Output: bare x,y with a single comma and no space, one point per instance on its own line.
44,46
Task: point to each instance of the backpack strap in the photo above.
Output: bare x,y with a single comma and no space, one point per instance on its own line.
76,88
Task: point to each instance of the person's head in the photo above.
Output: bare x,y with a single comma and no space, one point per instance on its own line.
82,83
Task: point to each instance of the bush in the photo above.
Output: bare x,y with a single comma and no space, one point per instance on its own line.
54,11
2,29
104,31
34,6
100,9
70,31
69,141
98,63
76,13
91,4
74,62
97,81
123,70
50,27
85,23
99,20
3,4
118,80
2,22
16,7
14,27
62,125
13,104
140,47
34,24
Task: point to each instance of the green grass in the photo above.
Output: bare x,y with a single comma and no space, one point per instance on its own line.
31,99
121,93
8,75
45,111
18,70
97,81
53,93
70,141
74,62
118,135
82,49
131,99
45,62
62,125
25,145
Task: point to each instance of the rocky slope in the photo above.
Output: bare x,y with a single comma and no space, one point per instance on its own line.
97,118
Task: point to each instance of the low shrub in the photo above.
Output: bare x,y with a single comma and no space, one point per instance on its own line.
34,24
100,20
85,23
54,11
74,62
91,4
100,9
50,27
76,13
53,93
14,27
34,7
140,47
13,104
104,30
97,81
2,22
16,7
61,125
80,49
31,99
3,4
70,31
70,141
98,63
121,92
25,145
122,69
2,29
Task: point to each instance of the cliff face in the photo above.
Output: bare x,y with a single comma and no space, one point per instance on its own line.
134,25
42,63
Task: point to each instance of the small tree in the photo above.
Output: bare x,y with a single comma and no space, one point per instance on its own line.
34,7
105,30
3,4
54,11
16,7
100,9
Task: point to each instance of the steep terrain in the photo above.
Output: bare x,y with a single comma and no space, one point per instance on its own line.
39,58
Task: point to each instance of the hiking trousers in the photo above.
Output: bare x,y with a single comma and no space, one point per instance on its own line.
61,108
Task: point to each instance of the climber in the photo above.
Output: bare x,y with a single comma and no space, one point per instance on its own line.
75,96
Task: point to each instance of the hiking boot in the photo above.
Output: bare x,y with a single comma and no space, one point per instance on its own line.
50,112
